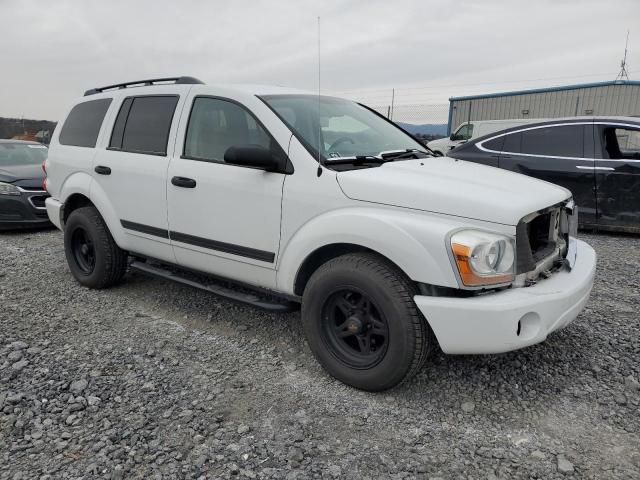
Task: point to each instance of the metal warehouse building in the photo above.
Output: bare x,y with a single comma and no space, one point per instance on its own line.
604,98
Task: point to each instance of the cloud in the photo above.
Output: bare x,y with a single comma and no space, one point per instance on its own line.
427,50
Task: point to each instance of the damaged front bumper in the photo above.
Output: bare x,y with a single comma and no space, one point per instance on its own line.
513,318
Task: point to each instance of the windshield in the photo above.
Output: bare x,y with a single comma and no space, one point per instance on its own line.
22,154
346,129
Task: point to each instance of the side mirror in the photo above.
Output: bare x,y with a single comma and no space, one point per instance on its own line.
254,157
452,137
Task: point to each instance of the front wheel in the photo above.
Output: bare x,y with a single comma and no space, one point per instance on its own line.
93,256
362,323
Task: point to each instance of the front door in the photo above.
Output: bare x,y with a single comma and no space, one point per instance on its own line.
617,151
223,219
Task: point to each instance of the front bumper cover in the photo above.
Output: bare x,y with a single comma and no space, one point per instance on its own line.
514,318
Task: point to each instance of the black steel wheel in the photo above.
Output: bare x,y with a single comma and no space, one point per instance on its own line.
83,250
93,256
354,329
362,324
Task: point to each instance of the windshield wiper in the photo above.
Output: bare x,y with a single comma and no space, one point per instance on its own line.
355,159
400,154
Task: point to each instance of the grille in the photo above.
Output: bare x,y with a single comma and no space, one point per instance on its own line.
536,239
541,236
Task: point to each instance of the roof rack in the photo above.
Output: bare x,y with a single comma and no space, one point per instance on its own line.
144,83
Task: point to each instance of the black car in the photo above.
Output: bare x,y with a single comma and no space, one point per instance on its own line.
22,194
598,159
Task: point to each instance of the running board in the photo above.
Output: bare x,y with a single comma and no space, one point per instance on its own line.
247,298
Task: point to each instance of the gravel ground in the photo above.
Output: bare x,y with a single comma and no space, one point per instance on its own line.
156,380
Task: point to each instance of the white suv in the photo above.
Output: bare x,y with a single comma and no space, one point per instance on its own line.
320,201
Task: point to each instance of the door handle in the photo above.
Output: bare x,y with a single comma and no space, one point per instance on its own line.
183,182
102,170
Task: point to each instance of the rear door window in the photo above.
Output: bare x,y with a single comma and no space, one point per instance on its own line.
143,124
82,126
554,141
621,143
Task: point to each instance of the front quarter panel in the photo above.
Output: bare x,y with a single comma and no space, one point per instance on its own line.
415,242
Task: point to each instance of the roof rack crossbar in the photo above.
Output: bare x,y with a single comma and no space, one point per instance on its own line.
140,83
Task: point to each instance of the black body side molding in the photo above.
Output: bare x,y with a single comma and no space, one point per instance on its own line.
139,227
231,248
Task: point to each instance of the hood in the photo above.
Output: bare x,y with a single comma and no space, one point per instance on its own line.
452,187
22,175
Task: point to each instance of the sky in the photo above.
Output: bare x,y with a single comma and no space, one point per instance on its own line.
424,51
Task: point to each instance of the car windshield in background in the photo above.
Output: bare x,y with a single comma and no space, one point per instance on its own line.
346,128
22,154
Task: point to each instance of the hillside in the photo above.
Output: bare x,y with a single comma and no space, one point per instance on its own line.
11,127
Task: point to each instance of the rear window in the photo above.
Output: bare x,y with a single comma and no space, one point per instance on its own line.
83,123
143,124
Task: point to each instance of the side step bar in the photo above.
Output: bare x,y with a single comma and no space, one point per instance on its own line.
247,298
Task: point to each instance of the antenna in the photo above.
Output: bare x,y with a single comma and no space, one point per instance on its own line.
624,74
320,163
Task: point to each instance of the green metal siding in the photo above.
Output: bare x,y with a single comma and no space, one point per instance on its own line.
601,100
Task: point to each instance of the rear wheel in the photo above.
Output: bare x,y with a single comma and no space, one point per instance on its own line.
362,324
93,256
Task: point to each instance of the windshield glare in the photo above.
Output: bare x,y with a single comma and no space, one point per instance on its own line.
346,128
22,154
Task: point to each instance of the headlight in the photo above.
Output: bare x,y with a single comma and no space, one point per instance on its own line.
483,258
8,189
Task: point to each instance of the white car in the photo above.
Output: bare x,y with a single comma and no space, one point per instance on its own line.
321,202
475,129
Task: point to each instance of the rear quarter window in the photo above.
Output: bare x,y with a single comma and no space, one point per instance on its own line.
82,126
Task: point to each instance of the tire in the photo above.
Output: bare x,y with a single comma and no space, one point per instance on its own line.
102,263
335,329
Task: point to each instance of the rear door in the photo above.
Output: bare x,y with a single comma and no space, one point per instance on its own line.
557,153
132,171
617,164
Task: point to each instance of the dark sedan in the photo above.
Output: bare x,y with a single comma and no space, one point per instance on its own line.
598,159
22,194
